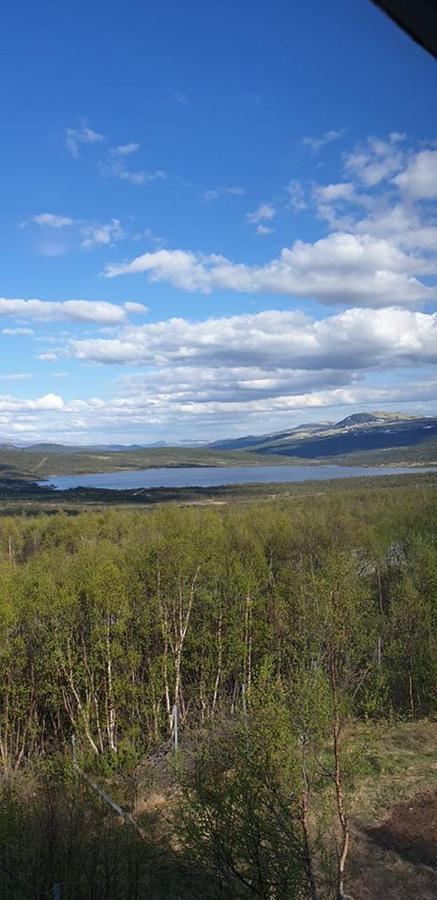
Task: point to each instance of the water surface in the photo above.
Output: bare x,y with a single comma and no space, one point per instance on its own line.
209,476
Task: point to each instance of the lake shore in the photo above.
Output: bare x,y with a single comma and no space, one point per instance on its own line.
24,497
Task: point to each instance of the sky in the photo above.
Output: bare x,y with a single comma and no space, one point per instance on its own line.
217,218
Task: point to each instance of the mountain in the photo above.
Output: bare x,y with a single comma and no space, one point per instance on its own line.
250,441
363,437
362,433
366,418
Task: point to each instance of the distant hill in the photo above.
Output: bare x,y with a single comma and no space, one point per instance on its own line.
49,447
375,432
367,418
359,439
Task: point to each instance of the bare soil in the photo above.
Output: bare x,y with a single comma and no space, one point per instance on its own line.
397,859
411,830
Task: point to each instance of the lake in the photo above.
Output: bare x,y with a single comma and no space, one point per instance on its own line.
216,477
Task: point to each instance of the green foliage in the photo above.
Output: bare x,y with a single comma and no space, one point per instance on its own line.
241,812
270,627
54,831
109,619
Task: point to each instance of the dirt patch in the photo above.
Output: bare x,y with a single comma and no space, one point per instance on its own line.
411,830
376,873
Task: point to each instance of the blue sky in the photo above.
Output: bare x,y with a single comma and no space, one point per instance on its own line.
223,214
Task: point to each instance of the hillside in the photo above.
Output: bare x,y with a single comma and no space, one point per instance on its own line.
34,464
378,437
361,439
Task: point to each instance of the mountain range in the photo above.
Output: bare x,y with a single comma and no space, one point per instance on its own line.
364,433
372,437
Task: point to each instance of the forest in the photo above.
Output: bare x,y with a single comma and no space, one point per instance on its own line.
237,660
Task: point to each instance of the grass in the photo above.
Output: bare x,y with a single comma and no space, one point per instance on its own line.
402,762
403,766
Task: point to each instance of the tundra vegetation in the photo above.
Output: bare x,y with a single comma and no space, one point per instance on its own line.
280,636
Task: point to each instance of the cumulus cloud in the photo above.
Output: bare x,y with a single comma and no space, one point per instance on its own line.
402,224
251,373
354,339
376,160
99,311
51,220
102,235
47,402
259,371
134,307
343,190
419,179
341,268
75,137
126,149
74,233
264,213
216,401
400,210
380,250
263,229
207,384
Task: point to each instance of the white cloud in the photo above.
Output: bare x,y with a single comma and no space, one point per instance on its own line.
254,371
191,388
47,402
343,190
223,191
264,213
296,194
263,229
99,311
126,149
16,376
134,307
375,161
102,235
235,394
114,167
155,239
74,233
51,220
17,331
341,268
354,339
397,212
316,144
402,224
381,249
75,137
419,179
